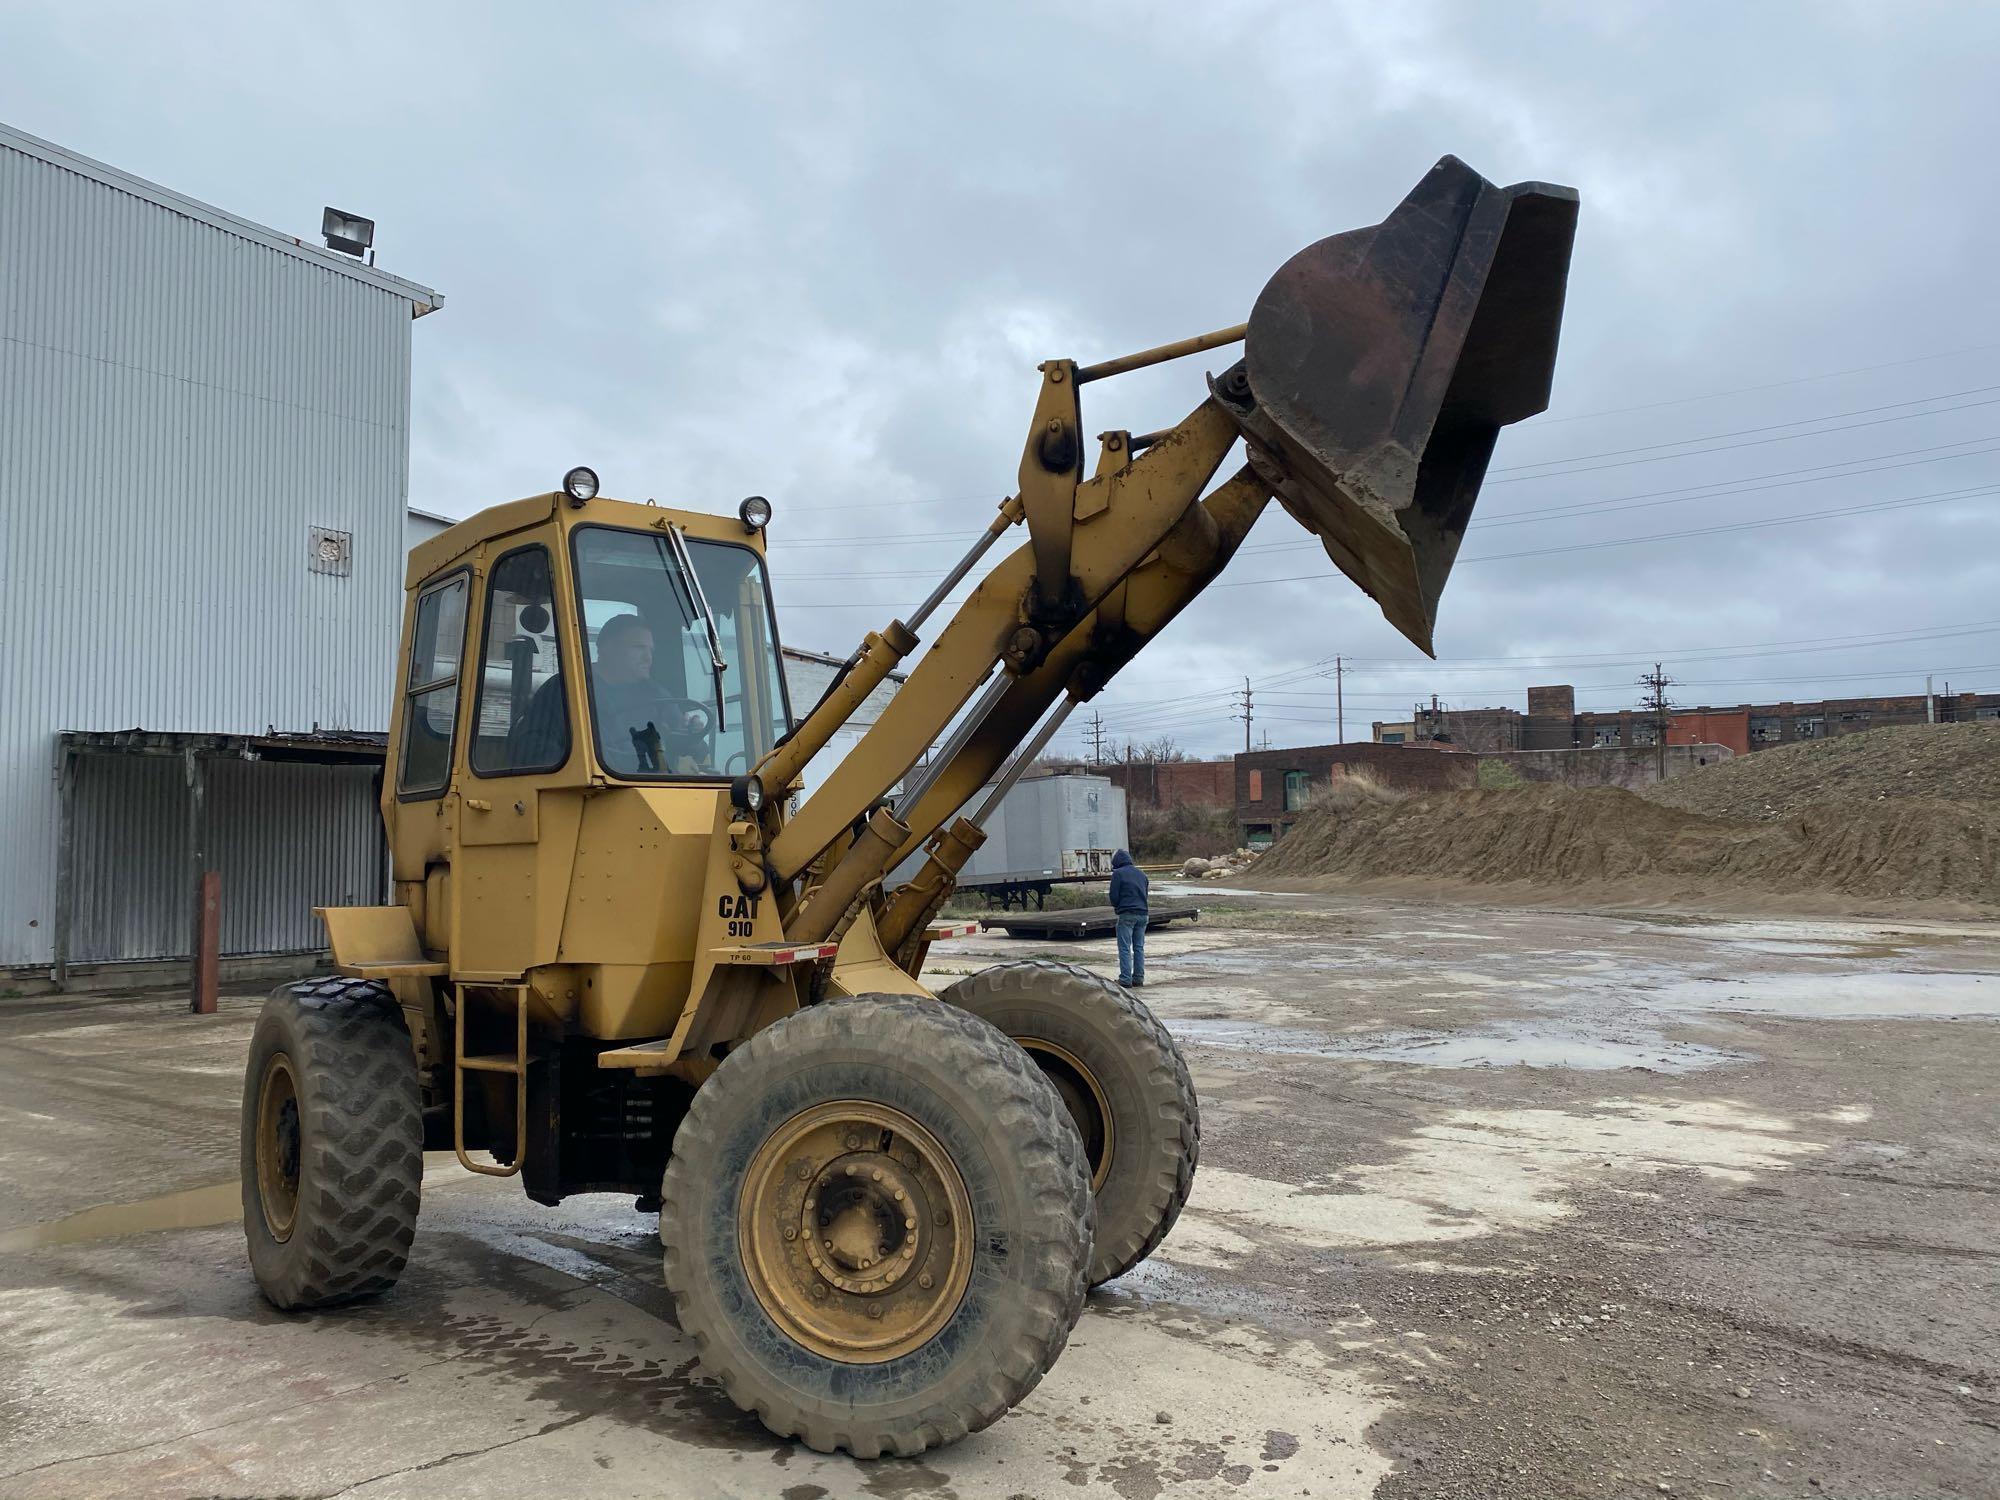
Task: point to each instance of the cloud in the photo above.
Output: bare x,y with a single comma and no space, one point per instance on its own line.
816,253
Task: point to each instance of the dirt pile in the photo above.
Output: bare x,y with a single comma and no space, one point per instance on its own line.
1941,762
1884,850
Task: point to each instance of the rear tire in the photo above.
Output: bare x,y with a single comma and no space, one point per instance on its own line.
1125,1083
332,1143
945,1212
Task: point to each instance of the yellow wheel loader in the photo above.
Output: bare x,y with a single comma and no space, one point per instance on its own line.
621,961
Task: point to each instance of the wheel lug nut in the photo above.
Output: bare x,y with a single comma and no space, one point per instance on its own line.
819,1291
805,1172
853,1142
875,1312
899,1195
926,1281
791,1231
877,1174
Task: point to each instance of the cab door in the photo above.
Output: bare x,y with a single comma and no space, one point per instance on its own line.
521,777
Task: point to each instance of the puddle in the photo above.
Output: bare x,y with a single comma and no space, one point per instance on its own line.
1809,948
1538,1047
1475,1173
1832,996
1509,1045
197,1208
192,1208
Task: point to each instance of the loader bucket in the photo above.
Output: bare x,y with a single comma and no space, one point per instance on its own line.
1382,364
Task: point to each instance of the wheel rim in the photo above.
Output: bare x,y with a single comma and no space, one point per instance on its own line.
856,1231
278,1146
1085,1099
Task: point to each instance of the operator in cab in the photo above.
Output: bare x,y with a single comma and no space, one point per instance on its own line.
641,730
1129,887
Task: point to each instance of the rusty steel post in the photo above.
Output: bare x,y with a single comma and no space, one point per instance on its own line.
201,983
65,911
207,944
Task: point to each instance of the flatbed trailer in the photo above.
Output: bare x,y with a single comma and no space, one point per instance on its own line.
1085,921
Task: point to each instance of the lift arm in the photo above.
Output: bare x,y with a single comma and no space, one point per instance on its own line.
1129,514
1378,368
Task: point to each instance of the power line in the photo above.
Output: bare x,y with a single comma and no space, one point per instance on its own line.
1161,718
1710,437
1797,518
1793,518
1772,385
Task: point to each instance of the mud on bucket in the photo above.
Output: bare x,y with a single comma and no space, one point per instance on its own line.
1382,363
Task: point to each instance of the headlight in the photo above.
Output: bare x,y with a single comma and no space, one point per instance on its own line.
755,513
580,484
747,792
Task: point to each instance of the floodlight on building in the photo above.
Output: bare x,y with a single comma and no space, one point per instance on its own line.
348,233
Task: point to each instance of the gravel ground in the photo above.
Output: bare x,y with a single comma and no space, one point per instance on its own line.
1519,1203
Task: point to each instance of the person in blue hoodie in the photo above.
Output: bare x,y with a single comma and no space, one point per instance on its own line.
1128,899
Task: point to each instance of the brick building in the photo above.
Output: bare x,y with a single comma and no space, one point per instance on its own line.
1552,722
1272,785
1171,783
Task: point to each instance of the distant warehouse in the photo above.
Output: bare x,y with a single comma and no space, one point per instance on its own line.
204,461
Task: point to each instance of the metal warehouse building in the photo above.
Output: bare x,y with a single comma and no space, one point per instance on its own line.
204,454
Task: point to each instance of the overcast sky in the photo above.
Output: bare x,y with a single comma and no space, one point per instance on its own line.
815,252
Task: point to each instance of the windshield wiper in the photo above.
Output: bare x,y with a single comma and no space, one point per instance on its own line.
698,602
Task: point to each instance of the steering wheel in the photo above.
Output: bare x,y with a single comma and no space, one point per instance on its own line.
694,744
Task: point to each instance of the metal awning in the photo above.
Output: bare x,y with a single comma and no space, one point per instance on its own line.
326,747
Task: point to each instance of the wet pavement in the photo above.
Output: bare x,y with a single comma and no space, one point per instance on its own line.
1494,1201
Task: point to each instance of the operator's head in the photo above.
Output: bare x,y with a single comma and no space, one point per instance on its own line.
625,650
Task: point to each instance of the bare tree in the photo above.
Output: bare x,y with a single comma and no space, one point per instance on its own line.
1153,751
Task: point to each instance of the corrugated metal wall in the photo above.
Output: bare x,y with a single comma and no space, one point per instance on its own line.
179,405
285,837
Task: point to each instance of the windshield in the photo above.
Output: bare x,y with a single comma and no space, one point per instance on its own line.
659,704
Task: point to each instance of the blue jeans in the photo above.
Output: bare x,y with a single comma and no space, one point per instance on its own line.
1131,947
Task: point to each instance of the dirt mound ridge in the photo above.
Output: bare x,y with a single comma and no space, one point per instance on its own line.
1946,762
1888,850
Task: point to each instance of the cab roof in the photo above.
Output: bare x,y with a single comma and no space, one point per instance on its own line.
435,554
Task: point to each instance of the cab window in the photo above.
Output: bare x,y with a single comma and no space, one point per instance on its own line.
667,697
430,692
522,720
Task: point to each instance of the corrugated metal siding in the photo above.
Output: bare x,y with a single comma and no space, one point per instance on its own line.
178,406
286,838
806,680
1035,824
133,898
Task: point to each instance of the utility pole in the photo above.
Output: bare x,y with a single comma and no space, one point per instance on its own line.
1656,683
1096,738
1339,705
1245,715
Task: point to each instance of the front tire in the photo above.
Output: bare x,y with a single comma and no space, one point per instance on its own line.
1126,1086
876,1221
332,1144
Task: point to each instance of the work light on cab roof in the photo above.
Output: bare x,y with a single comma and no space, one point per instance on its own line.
580,484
